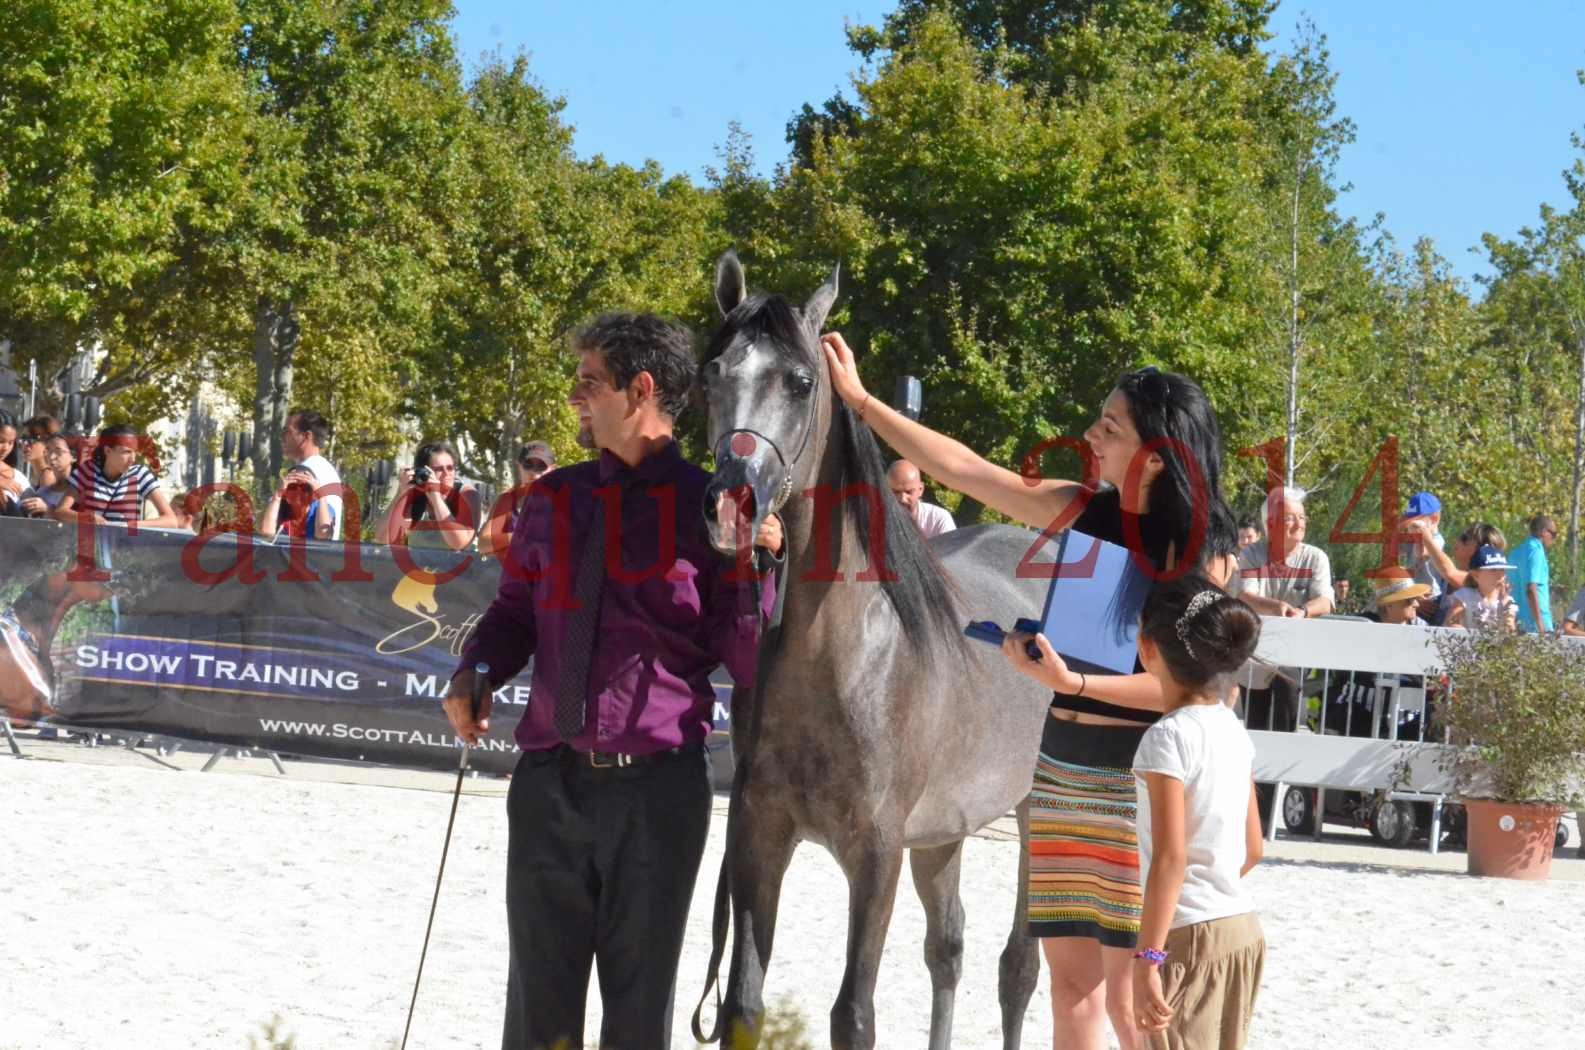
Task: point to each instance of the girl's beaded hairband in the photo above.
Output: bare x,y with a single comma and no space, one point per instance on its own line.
1198,602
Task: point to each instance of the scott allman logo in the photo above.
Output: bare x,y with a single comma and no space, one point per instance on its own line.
417,597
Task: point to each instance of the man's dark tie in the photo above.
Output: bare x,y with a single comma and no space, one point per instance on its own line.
572,692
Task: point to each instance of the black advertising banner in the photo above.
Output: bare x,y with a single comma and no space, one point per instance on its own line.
340,651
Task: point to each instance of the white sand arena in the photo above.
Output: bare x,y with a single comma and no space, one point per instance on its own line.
160,909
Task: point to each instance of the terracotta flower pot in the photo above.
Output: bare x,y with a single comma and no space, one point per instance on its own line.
1511,840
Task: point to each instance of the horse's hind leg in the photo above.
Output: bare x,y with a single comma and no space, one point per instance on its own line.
1020,966
872,865
936,873
759,846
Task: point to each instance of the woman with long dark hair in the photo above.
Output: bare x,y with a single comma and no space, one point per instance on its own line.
1157,449
13,482
429,489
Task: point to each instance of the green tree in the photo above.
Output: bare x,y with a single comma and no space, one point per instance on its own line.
1018,247
548,242
121,142
354,162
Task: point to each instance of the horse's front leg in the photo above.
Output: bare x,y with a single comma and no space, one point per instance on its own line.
936,875
760,843
1020,963
872,866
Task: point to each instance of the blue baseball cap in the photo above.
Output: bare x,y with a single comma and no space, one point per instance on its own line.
1420,504
1488,557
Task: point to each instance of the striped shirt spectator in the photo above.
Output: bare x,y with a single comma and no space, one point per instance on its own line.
114,499
113,486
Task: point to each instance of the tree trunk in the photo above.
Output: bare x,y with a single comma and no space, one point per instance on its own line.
275,337
1579,461
1293,328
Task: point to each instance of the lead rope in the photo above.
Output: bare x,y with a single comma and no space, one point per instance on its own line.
721,920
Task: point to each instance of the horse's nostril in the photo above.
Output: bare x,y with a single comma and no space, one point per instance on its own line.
743,444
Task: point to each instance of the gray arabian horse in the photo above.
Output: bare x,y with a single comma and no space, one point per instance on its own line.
875,725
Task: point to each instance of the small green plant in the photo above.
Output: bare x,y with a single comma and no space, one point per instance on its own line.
1516,716
273,1037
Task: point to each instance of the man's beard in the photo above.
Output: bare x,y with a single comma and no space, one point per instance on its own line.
585,438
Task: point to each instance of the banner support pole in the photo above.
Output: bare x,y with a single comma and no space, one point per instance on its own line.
16,751
220,752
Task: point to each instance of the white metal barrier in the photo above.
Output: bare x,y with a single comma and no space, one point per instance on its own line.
1326,761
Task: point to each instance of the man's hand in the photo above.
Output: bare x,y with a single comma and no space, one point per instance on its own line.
296,476
769,535
458,704
34,507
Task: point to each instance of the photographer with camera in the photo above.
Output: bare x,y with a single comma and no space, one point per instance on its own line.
299,508
429,489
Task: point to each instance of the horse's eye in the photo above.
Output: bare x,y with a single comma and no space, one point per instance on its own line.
800,383
711,371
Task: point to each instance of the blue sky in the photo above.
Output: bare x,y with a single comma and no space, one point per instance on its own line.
1463,114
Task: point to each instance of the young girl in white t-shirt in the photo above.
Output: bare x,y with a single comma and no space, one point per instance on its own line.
1201,949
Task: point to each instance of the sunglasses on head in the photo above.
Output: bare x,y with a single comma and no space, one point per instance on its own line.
1151,382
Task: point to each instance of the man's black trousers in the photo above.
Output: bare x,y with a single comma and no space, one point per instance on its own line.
600,870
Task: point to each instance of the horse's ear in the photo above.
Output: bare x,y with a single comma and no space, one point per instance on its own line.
731,287
819,304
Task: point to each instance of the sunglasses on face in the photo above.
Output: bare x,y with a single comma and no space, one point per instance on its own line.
533,464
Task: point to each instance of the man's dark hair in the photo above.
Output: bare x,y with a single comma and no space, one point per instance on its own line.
634,343
312,423
42,426
1541,523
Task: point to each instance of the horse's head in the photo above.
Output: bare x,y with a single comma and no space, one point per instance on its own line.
766,390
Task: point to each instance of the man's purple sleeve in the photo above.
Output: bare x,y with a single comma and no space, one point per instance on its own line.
505,636
736,625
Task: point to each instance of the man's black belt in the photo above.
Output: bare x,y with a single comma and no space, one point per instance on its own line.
617,759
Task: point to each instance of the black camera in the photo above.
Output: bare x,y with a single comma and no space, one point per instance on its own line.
422,475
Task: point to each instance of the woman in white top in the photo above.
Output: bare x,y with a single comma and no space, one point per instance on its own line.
1484,602
1201,949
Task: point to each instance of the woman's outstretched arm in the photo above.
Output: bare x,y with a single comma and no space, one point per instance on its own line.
1035,502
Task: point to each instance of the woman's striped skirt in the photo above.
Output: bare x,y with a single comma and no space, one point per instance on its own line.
1083,851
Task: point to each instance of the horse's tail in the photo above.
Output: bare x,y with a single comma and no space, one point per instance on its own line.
720,925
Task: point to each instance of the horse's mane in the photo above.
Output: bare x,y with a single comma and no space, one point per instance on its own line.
916,585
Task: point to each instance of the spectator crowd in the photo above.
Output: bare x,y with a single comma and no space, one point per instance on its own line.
1476,583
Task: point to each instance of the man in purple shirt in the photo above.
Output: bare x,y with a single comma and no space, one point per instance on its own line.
610,803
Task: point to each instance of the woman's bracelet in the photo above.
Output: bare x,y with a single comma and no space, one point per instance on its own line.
863,405
1083,683
1153,956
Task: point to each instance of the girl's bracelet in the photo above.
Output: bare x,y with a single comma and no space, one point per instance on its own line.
1153,956
863,405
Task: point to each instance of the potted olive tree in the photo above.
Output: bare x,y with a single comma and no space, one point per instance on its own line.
1515,724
